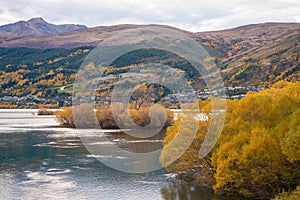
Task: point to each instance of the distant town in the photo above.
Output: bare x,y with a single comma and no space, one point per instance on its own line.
232,92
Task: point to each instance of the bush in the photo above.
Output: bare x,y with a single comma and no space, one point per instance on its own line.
44,111
103,116
64,117
295,195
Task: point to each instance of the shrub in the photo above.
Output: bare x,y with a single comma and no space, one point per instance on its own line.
103,116
45,111
295,195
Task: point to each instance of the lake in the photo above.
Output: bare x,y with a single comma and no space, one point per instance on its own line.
38,160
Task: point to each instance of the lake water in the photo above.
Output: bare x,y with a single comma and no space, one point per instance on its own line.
40,161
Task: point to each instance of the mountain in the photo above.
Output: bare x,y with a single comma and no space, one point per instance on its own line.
37,26
257,54
73,39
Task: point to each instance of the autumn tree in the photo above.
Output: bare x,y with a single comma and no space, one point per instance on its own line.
189,166
143,94
257,154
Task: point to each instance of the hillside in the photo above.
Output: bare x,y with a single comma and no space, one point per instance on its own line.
37,26
268,63
253,55
256,54
36,76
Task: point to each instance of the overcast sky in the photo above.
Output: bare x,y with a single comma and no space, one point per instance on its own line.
193,15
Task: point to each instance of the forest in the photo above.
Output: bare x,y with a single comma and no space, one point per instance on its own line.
36,75
47,76
257,154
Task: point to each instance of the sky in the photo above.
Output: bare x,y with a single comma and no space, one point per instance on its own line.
192,15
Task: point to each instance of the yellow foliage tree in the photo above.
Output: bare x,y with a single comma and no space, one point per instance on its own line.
257,154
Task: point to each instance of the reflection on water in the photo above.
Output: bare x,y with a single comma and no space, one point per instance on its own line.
178,190
39,161
182,191
138,145
55,165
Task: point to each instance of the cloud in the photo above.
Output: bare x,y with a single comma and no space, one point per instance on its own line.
194,15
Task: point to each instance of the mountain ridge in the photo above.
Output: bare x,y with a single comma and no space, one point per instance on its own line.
73,39
247,35
36,26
